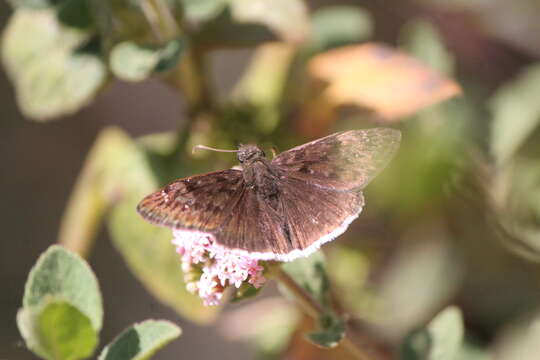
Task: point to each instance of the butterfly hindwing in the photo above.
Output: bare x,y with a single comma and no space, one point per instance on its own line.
255,220
342,161
315,214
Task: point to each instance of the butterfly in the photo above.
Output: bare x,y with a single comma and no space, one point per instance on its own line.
283,208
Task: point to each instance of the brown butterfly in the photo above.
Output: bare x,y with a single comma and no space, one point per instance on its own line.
283,208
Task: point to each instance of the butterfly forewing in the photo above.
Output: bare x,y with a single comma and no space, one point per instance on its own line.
201,202
342,161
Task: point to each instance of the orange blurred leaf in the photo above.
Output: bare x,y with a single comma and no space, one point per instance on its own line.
382,79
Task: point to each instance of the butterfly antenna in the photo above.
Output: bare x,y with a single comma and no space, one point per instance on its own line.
204,147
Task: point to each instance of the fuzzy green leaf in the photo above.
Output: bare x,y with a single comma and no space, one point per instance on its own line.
61,274
202,10
132,62
332,331
440,340
76,13
416,346
28,327
422,40
446,331
67,332
516,113
91,195
36,4
287,18
310,274
141,341
470,351
57,331
52,77
245,291
334,26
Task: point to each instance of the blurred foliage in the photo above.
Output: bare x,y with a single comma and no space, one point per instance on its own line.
150,335
440,340
310,274
454,219
62,314
53,73
118,173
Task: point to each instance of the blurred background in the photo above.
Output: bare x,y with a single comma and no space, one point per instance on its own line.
455,219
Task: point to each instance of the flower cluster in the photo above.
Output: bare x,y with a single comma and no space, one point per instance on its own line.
209,268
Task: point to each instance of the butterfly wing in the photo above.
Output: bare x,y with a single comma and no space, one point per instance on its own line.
341,161
201,202
256,228
219,203
316,215
307,217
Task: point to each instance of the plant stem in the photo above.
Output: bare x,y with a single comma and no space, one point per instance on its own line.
160,19
315,310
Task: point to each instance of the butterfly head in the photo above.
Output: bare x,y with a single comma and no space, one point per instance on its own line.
248,154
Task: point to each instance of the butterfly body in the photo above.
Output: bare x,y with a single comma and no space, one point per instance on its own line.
283,208
259,174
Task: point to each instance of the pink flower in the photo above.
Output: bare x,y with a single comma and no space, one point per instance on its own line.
209,267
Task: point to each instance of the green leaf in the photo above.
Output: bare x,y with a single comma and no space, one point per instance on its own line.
286,18
440,340
146,248
43,58
141,341
57,331
471,351
422,40
446,332
91,195
61,274
332,331
263,84
245,291
67,331
310,274
202,10
133,62
27,323
516,114
76,13
348,269
225,31
416,346
335,26
116,175
36,4
426,274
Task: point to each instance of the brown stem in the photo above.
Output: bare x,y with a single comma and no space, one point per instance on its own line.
315,310
160,19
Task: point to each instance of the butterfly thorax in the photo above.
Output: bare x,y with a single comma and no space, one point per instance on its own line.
259,173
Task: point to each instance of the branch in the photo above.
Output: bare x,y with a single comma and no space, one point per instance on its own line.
315,310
